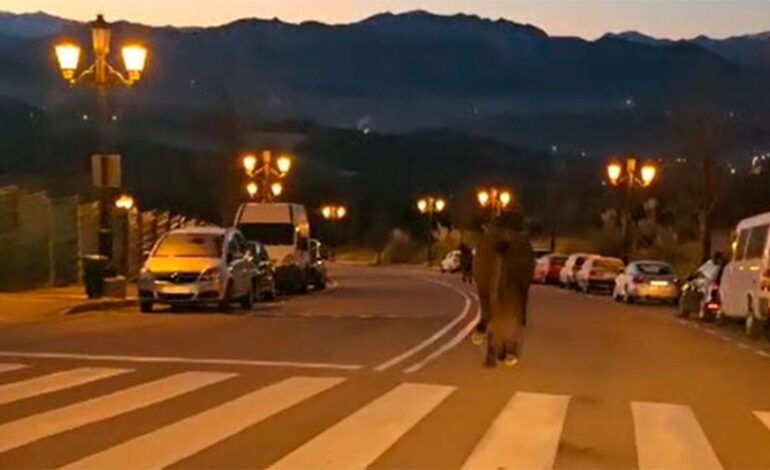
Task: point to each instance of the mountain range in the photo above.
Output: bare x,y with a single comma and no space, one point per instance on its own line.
395,72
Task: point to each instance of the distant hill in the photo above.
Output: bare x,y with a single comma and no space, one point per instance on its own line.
391,72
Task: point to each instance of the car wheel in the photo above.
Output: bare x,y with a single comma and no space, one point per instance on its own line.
720,318
225,304
146,307
247,301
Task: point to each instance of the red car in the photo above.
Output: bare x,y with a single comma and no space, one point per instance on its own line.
547,269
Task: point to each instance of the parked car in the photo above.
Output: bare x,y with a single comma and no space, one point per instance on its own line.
647,280
746,278
284,229
571,267
700,292
451,262
198,265
547,269
598,273
319,275
264,282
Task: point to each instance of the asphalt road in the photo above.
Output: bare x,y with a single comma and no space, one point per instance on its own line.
377,372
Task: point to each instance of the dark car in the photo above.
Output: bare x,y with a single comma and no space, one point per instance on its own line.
700,293
265,280
318,271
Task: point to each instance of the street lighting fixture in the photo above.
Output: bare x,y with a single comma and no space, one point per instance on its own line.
267,172
494,198
505,198
99,73
431,205
626,174
333,212
614,170
648,174
102,75
341,212
134,60
252,189
483,197
284,164
68,56
125,202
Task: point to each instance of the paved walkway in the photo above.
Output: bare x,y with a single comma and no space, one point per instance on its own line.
33,305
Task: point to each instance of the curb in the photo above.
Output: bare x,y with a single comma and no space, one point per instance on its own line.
100,305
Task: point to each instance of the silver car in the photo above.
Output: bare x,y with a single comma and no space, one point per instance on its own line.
198,265
647,280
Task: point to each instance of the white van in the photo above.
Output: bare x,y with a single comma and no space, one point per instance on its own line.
746,279
284,230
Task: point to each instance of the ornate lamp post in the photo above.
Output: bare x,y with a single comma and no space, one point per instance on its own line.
430,206
102,75
496,199
628,176
265,176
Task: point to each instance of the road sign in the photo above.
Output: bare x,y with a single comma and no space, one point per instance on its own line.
106,171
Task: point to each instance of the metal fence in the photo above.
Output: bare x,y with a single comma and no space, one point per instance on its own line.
44,240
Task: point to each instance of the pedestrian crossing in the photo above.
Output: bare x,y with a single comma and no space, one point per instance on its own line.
525,432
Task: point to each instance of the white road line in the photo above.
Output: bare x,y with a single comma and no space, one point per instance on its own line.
33,428
10,367
448,345
359,439
53,382
744,346
762,353
669,436
764,417
525,434
181,360
163,447
436,336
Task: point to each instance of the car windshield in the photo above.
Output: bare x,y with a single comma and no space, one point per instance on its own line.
269,234
655,269
190,245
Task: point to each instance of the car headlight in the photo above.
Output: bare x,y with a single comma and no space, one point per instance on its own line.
210,275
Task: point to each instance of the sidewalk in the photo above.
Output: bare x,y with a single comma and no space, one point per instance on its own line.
20,307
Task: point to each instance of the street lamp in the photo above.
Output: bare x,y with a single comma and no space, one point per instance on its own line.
101,71
627,175
495,199
333,213
430,206
252,189
124,202
268,172
101,74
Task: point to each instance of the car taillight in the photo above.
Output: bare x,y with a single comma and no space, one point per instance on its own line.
638,280
712,306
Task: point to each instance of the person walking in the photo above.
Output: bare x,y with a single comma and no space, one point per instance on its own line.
503,271
466,263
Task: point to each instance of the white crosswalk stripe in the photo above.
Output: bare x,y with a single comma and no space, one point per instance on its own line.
54,382
9,367
669,436
30,429
525,434
164,447
359,439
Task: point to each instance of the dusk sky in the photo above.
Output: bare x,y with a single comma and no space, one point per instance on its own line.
586,18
